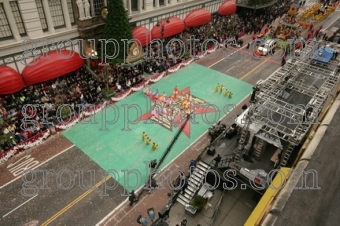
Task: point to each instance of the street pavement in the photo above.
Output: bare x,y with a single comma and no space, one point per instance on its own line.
41,195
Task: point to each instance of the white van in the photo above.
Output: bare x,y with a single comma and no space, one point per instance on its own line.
267,47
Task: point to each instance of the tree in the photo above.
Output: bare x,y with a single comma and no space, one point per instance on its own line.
117,27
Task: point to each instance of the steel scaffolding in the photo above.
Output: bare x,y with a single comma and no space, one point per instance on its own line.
291,99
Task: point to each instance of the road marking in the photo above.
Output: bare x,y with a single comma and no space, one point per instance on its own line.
227,56
268,57
111,214
332,22
18,169
257,67
231,68
63,210
38,165
19,206
115,216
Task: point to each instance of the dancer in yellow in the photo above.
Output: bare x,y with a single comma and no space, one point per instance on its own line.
226,92
154,146
221,88
217,87
148,140
187,110
230,95
143,136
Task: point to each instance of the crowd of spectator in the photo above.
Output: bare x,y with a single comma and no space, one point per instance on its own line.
119,78
254,21
81,87
164,55
77,88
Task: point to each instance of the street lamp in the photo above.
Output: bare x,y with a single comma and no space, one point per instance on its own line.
93,56
93,53
162,24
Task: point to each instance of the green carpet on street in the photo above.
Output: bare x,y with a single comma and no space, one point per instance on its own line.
119,146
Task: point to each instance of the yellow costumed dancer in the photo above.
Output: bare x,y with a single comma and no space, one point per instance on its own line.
217,87
230,95
154,146
221,88
147,141
226,92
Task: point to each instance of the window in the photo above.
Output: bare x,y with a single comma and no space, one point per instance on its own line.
18,18
70,11
5,30
98,5
154,3
134,5
57,14
161,2
41,13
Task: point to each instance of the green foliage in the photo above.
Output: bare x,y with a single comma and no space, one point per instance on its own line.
117,27
5,137
198,202
108,91
65,112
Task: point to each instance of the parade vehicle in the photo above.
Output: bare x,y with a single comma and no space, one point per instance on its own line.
268,47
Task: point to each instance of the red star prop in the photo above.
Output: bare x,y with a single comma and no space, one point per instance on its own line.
198,107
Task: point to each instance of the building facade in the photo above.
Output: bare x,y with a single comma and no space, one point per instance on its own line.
39,26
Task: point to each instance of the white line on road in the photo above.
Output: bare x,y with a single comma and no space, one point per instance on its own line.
231,68
124,215
19,206
331,23
227,56
38,166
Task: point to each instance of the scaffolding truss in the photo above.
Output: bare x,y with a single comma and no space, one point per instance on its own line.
290,100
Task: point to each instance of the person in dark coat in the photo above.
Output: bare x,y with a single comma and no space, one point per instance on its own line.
283,62
217,160
184,222
132,197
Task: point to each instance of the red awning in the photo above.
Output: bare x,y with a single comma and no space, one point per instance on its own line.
10,80
227,8
197,17
142,34
175,26
56,64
